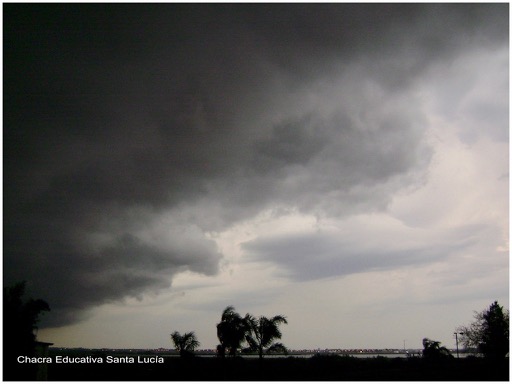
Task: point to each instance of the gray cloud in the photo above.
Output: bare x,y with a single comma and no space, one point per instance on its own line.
117,115
321,255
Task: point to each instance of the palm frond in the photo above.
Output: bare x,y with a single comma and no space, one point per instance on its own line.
184,343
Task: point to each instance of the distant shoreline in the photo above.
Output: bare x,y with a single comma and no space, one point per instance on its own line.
208,352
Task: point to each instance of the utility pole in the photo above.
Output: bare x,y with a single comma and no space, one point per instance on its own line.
457,341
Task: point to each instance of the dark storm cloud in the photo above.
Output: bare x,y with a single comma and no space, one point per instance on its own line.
115,115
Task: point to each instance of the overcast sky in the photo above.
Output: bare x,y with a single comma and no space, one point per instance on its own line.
346,166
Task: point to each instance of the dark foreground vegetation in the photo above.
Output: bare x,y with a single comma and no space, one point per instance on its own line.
27,359
316,368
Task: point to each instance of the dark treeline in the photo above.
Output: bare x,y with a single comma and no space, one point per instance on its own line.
486,337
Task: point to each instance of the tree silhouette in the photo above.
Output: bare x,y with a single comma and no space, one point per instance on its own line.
185,344
20,321
495,340
489,333
262,331
433,350
231,331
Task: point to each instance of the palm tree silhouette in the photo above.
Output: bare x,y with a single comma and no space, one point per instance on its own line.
263,331
232,330
433,350
186,343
